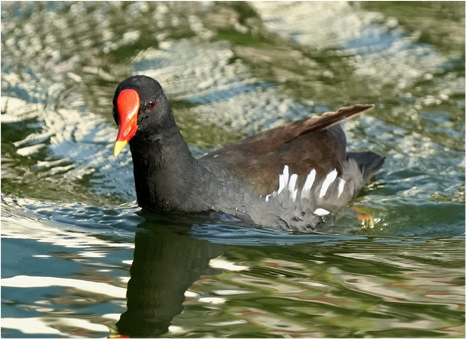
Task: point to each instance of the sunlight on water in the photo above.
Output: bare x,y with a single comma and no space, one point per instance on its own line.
80,259
379,50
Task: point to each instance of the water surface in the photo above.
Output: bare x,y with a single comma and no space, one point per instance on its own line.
79,258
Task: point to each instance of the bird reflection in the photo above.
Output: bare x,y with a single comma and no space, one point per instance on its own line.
167,261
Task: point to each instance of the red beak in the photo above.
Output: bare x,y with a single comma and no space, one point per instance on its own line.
128,107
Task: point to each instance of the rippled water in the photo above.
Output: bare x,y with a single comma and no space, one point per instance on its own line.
80,259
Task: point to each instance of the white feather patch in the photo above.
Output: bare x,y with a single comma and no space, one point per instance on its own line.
311,177
329,179
283,179
292,183
321,212
341,186
292,186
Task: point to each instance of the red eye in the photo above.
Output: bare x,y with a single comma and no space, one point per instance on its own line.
152,104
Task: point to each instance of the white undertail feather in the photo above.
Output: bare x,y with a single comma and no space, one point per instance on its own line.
321,212
306,191
341,186
329,179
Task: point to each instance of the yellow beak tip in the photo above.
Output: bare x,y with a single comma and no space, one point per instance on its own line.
119,145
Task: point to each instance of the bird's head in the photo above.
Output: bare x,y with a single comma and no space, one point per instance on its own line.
140,108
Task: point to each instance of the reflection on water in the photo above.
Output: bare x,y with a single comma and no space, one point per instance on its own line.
223,280
315,287
165,265
80,259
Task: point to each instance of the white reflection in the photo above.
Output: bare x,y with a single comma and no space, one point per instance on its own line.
45,325
226,265
225,93
212,300
230,292
22,227
228,323
24,281
29,326
376,46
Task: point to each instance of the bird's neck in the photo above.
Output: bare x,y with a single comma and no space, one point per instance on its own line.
164,170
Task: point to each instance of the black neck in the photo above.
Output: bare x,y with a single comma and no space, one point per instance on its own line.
164,169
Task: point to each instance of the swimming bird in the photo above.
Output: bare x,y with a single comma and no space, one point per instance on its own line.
292,177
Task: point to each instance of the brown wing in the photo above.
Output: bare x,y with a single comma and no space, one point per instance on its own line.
317,142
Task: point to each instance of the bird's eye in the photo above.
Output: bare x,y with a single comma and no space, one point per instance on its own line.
152,104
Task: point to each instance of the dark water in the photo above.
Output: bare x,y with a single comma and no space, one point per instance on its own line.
73,236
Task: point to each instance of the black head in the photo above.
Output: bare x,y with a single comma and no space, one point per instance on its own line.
141,110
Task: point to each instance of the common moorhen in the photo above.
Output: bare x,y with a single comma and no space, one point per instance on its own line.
290,177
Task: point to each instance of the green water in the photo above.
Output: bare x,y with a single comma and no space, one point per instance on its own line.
80,259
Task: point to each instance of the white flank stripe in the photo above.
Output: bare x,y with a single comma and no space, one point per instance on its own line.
321,212
292,186
283,179
329,179
308,184
292,183
341,186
